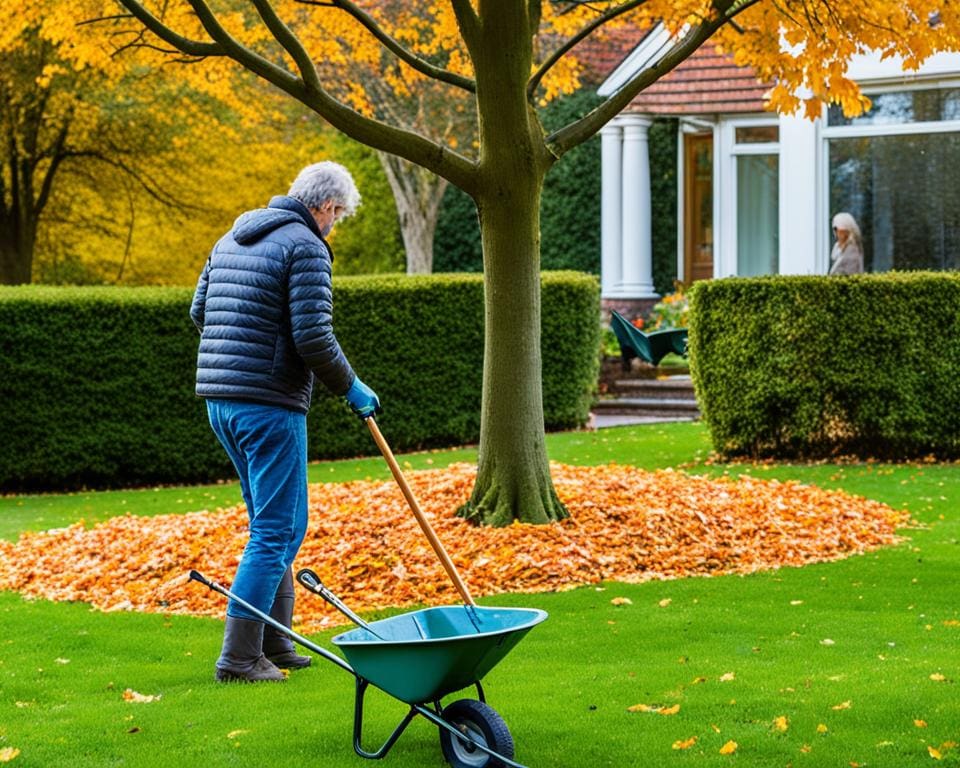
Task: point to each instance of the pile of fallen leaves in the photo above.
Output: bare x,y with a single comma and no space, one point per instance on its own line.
626,524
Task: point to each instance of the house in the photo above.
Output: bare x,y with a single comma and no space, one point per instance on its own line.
756,191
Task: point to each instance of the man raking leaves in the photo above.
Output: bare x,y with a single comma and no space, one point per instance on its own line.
264,309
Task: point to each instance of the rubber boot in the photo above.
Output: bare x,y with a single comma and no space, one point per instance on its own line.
242,656
277,646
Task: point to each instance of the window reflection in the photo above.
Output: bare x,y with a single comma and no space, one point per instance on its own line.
903,192
921,106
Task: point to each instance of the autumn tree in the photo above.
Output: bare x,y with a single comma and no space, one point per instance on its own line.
501,56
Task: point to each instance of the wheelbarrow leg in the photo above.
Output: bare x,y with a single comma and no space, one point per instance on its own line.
358,725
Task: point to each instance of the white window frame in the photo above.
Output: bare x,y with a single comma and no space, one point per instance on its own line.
828,132
726,152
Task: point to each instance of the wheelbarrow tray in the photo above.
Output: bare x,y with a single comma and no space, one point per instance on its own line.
423,655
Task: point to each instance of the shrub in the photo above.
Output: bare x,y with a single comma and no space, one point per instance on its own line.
97,383
807,367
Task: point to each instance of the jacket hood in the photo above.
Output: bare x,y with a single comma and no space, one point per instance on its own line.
254,225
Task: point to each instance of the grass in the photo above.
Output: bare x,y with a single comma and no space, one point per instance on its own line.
864,648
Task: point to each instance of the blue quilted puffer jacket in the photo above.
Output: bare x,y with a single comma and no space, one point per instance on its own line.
264,308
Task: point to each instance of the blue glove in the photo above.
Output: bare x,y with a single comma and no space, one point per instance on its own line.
362,399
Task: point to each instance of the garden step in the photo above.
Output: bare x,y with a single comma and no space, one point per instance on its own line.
673,388
649,406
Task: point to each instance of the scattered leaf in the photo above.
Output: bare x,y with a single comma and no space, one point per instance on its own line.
937,677
238,732
133,697
670,710
61,661
727,677
621,601
935,753
822,728
920,723
827,641
8,753
796,602
665,602
781,723
843,705
686,743
642,708
729,748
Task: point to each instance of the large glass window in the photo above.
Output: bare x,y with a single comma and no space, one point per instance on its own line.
900,184
758,230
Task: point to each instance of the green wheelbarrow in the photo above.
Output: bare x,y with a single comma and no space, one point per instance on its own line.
423,656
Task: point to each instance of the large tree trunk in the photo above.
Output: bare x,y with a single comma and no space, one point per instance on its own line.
513,474
417,193
16,251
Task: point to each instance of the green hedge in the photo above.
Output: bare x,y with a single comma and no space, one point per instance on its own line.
97,383
811,367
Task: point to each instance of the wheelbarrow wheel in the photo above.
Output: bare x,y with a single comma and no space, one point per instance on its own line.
481,723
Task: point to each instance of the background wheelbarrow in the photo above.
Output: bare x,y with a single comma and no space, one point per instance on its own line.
422,656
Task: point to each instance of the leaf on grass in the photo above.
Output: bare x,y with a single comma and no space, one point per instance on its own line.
61,661
621,601
238,732
951,623
827,641
670,710
920,723
822,728
623,521
685,743
642,708
133,697
938,678
8,753
781,723
843,705
729,748
665,602
727,677
935,753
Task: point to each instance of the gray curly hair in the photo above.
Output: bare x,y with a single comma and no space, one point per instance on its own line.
324,181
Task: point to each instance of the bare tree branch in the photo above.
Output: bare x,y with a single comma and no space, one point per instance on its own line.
441,160
282,34
161,30
395,47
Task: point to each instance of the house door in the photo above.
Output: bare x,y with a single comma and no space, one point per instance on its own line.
698,206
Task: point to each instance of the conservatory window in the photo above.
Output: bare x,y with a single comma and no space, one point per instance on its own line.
895,168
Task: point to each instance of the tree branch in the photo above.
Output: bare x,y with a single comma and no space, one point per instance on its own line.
161,30
396,48
558,54
441,160
579,131
282,34
468,22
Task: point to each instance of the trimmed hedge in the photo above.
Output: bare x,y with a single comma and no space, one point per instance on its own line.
812,367
97,383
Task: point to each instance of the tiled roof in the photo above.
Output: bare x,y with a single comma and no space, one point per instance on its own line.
600,57
706,83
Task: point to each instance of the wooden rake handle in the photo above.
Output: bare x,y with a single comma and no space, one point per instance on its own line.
448,565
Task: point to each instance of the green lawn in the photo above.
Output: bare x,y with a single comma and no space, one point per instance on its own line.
851,654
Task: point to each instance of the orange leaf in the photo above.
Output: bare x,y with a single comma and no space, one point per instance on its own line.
935,753
686,743
729,748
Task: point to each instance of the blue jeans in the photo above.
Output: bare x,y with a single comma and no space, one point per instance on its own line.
268,447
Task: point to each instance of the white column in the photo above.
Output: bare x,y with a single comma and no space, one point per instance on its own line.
800,235
637,245
611,145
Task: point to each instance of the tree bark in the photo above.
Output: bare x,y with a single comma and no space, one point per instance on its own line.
513,474
417,193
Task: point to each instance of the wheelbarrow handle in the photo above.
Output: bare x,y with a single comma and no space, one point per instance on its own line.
448,565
